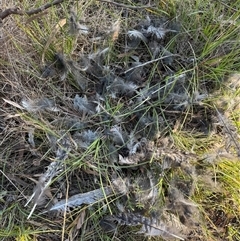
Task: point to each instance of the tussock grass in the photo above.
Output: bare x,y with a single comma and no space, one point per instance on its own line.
208,42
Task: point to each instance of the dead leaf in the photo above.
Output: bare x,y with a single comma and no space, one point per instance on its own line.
81,219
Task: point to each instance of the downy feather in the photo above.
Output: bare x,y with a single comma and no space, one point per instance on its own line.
83,105
39,105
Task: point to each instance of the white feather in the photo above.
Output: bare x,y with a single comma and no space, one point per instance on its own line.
136,34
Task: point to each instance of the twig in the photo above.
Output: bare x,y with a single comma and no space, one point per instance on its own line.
17,11
125,6
10,11
43,7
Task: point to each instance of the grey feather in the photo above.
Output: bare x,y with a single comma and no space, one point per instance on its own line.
120,87
85,138
117,136
82,198
53,170
39,105
150,227
83,105
134,38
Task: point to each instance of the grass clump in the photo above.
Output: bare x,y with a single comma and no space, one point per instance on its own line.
138,107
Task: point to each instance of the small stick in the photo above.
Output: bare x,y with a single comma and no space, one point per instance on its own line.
125,6
17,11
10,11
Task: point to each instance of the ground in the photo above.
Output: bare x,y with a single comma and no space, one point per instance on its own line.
120,120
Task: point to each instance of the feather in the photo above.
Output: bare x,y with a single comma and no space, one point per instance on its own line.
120,87
31,137
85,138
130,160
136,71
75,27
134,39
147,191
39,105
133,145
120,185
183,207
82,198
159,32
68,123
150,226
53,170
83,105
136,34
98,56
45,180
117,135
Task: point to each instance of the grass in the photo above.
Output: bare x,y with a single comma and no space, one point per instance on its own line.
186,130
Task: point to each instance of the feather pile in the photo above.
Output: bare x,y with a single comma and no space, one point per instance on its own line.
116,119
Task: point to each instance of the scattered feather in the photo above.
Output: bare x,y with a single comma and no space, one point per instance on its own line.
136,72
159,32
117,135
39,105
122,88
75,26
44,182
134,39
85,138
120,185
99,56
64,148
169,56
129,160
56,167
148,194
183,207
83,63
83,105
149,227
133,145
48,71
31,137
155,48
82,198
107,226
68,123
217,156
